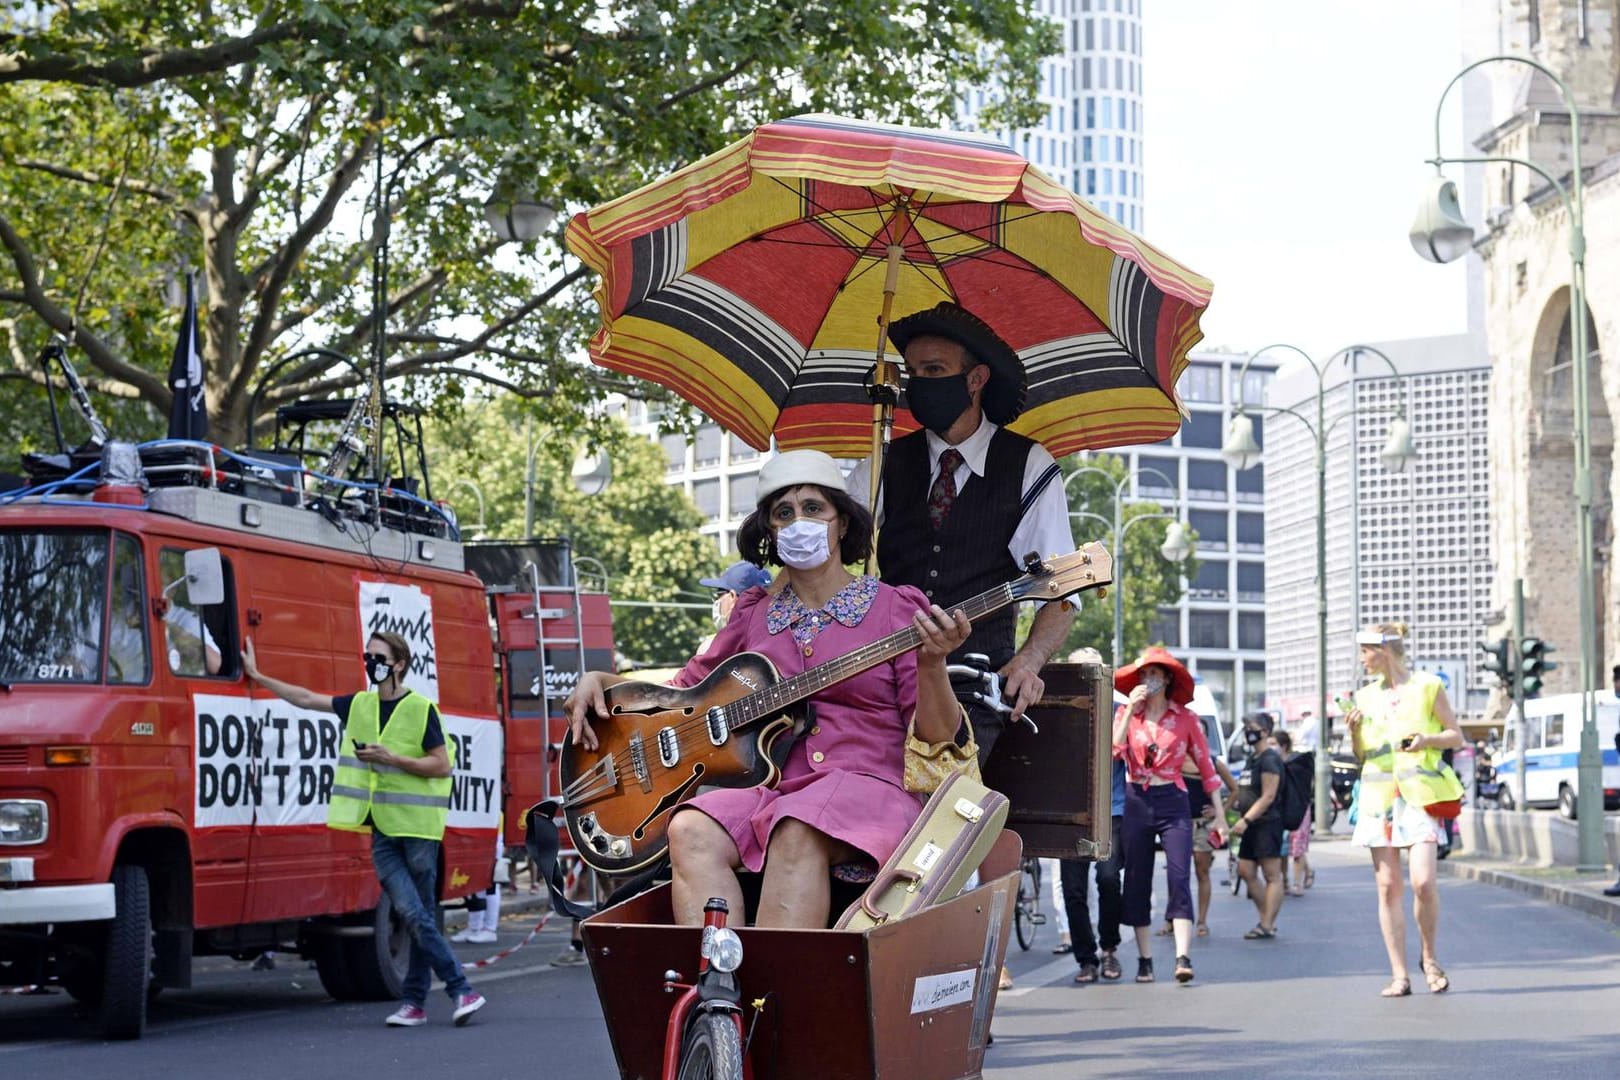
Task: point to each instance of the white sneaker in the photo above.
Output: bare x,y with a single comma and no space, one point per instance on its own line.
462,935
480,937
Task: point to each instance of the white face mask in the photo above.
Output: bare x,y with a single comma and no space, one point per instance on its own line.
1153,684
803,544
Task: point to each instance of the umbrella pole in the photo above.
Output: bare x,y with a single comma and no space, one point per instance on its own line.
885,394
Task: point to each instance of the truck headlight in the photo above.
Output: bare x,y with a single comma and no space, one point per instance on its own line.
24,821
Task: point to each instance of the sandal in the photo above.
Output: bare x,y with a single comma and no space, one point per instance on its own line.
1006,980
1203,930
1435,975
1260,933
1310,878
1087,973
1400,987
1144,969
1297,890
1110,966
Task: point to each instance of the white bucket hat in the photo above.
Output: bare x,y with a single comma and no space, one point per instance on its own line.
796,467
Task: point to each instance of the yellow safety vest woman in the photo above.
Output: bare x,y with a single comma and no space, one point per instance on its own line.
1398,725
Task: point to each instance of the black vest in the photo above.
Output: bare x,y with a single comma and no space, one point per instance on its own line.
968,555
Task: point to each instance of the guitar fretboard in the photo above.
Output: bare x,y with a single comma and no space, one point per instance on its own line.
773,699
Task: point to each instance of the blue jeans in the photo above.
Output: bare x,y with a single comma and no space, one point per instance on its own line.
408,868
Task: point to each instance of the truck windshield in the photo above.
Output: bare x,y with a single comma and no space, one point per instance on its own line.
53,595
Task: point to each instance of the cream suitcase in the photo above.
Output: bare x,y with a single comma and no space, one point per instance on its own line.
937,856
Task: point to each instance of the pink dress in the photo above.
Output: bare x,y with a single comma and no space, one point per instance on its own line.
845,776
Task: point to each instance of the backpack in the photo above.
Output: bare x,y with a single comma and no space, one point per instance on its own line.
1297,789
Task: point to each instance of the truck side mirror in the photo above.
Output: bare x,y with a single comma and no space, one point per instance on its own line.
205,578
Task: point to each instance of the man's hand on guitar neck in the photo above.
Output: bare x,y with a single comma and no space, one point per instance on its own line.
588,698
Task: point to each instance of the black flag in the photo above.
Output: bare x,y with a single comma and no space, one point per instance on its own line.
188,415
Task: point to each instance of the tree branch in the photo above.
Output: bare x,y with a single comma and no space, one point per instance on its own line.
101,355
139,187
707,84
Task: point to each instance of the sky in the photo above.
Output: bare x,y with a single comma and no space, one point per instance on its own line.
1285,145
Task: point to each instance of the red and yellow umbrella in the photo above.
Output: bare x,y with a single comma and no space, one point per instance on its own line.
753,282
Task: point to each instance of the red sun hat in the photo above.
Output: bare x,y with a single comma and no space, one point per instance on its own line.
1180,689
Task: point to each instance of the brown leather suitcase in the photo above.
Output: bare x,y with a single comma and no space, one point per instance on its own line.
1060,779
938,855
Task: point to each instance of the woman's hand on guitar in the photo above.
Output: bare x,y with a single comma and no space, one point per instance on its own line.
941,633
586,699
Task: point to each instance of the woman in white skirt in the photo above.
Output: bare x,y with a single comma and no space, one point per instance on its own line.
1399,723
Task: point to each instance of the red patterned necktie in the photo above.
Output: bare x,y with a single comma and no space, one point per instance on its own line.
943,493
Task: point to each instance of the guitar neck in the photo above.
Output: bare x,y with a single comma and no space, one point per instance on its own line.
774,699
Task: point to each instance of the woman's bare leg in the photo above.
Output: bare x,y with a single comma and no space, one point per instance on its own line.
703,862
1202,861
1391,917
797,891
1423,860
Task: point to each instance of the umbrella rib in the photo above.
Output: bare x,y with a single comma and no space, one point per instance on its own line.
826,211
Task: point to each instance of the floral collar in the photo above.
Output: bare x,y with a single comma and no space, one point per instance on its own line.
848,606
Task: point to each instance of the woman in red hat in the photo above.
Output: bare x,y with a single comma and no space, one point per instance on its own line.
1154,733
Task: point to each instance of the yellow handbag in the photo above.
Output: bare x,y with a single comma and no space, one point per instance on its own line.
928,765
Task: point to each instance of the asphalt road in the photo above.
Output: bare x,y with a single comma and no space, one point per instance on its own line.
1536,993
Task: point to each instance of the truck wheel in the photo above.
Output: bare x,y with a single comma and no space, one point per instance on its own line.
377,963
128,958
1566,802
332,965
1504,798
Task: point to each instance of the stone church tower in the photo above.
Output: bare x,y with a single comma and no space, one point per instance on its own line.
1527,271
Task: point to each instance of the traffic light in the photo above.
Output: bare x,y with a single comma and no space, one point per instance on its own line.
1499,661
1533,666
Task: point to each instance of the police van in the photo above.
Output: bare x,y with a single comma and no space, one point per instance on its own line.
1552,749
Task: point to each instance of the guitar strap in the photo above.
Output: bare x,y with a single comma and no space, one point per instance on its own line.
543,843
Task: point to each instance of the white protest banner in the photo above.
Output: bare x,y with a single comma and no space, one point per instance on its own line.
405,610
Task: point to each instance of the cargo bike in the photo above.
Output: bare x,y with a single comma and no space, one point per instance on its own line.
875,995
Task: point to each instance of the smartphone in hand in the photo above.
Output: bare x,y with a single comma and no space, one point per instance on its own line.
358,745
1409,743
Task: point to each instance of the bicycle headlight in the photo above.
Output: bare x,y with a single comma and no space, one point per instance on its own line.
23,821
725,951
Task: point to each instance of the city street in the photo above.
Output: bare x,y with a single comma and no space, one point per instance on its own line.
1536,989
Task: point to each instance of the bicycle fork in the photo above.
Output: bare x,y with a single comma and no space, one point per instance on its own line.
714,991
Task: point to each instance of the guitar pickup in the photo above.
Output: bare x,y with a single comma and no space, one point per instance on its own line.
719,726
638,762
669,748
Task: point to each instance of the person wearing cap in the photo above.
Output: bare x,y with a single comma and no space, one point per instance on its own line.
1154,733
841,798
1399,724
738,578
1005,496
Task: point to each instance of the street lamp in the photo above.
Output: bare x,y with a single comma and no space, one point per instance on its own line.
1242,451
1438,233
590,475
480,529
1175,547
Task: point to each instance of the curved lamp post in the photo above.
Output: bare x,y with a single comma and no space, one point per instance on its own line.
479,530
1175,547
1440,234
1242,451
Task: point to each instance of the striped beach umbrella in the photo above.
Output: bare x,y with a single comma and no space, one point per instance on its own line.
752,284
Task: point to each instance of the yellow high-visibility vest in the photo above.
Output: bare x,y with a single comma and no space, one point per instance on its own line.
398,803
1419,777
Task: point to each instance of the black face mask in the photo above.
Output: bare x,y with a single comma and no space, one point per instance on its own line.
1252,737
938,402
378,671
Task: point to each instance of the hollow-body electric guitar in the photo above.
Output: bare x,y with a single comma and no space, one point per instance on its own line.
659,746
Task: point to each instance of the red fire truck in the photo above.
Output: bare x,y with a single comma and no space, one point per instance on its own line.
154,805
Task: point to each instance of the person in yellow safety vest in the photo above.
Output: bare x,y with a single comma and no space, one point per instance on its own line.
1399,724
393,781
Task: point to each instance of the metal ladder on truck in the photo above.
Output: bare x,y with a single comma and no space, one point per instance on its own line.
543,645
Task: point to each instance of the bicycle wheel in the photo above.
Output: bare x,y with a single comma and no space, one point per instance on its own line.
1024,911
713,1049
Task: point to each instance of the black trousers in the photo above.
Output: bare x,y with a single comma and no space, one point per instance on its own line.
1074,875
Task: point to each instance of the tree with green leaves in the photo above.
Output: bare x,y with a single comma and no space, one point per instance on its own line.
1149,580
643,531
274,145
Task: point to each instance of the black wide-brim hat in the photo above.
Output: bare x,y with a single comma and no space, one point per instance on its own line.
1003,397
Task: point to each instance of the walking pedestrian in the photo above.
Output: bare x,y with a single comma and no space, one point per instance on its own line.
1259,830
1400,723
393,781
1154,733
1298,841
1076,901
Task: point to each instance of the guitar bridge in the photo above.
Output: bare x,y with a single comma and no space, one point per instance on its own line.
638,762
719,726
669,748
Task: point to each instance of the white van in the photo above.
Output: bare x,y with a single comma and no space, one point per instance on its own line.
1552,749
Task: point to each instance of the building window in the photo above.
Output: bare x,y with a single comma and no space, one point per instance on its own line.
742,491
1166,629
1251,532
1203,430
1212,582
1251,579
739,450
1210,525
674,452
706,494
1200,382
1156,474
1206,479
1251,630
706,447
1255,384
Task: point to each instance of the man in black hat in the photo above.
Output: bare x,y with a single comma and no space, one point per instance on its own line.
955,532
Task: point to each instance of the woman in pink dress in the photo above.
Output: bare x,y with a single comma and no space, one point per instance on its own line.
841,797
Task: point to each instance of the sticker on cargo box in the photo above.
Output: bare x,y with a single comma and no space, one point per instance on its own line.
928,856
932,992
